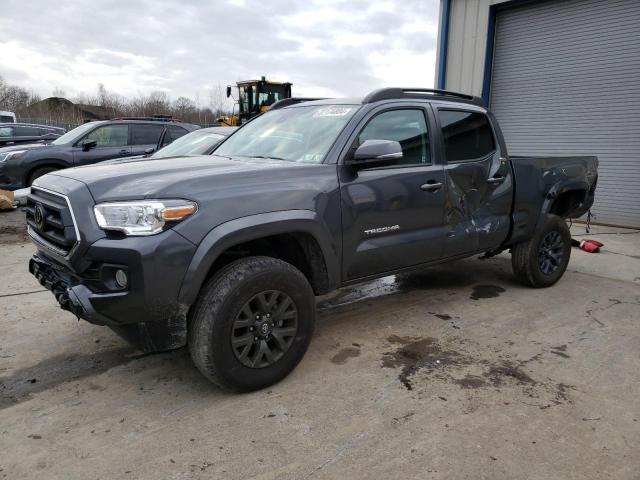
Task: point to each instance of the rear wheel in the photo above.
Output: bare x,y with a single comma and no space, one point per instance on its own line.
542,260
39,172
252,323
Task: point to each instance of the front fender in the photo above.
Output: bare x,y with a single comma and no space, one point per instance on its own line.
253,227
29,165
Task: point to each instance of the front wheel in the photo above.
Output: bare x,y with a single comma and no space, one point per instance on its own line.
542,260
252,323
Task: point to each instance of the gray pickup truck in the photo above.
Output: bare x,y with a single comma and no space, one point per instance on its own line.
226,252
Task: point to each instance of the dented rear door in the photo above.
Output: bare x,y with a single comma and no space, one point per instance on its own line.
479,180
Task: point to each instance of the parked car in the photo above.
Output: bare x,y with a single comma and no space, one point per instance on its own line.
7,117
90,143
226,252
198,142
20,133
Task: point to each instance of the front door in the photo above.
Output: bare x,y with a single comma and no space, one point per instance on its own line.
479,189
112,141
392,216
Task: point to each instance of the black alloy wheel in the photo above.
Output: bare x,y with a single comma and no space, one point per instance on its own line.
264,329
551,252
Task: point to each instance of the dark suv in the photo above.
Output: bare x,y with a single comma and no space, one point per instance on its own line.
90,143
16,133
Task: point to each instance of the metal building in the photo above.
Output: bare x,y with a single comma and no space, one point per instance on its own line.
563,78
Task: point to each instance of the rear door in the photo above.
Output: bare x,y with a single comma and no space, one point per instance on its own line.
479,181
144,137
392,216
112,141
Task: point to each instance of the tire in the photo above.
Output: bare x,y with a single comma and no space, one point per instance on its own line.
226,310
535,268
39,172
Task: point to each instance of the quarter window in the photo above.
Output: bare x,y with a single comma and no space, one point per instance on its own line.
408,127
466,135
110,136
6,131
176,132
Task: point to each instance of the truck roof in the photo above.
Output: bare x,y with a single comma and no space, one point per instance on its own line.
402,93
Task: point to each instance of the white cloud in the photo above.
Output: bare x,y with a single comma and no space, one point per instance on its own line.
326,48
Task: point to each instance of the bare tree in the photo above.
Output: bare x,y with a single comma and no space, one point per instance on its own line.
218,100
12,97
61,110
184,107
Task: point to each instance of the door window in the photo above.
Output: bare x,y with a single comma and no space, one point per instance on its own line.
466,135
27,131
408,127
110,136
146,134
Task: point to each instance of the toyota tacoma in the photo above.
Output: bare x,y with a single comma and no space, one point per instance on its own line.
225,253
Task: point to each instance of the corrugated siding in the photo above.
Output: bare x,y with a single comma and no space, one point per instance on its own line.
467,40
566,81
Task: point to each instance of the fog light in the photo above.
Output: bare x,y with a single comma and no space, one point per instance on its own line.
121,278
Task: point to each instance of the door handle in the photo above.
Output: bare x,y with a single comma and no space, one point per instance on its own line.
496,180
431,186
124,151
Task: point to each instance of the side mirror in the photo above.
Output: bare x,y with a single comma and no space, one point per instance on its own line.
149,151
88,145
228,91
376,152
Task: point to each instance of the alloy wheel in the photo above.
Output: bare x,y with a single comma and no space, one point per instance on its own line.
264,329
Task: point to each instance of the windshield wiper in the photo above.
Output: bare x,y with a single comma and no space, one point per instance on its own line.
268,158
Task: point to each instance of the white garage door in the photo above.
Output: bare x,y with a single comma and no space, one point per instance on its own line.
566,81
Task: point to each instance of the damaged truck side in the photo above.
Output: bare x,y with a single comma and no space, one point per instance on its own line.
227,252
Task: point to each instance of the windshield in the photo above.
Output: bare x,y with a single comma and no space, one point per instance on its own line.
195,143
299,134
74,134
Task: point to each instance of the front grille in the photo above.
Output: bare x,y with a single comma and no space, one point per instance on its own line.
51,221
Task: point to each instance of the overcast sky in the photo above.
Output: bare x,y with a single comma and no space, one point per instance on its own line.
324,47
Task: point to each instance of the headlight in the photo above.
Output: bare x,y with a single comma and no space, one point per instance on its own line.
13,154
144,217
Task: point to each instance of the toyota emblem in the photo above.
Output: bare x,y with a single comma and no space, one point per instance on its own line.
38,216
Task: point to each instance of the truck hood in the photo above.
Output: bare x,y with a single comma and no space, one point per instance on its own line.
176,177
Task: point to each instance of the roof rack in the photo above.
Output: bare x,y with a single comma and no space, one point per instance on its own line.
394,93
285,102
155,118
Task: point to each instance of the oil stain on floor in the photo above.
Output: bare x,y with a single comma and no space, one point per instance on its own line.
423,361
486,291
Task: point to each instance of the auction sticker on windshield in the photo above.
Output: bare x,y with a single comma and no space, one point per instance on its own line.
332,111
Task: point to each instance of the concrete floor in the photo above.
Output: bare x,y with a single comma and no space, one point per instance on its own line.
454,373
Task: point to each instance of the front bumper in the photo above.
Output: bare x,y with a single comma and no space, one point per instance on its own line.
147,311
6,181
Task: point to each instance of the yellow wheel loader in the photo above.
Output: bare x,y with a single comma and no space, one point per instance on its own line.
254,97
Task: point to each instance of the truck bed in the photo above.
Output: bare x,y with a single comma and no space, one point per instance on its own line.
561,185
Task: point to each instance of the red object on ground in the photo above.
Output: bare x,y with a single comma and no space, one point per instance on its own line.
591,246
